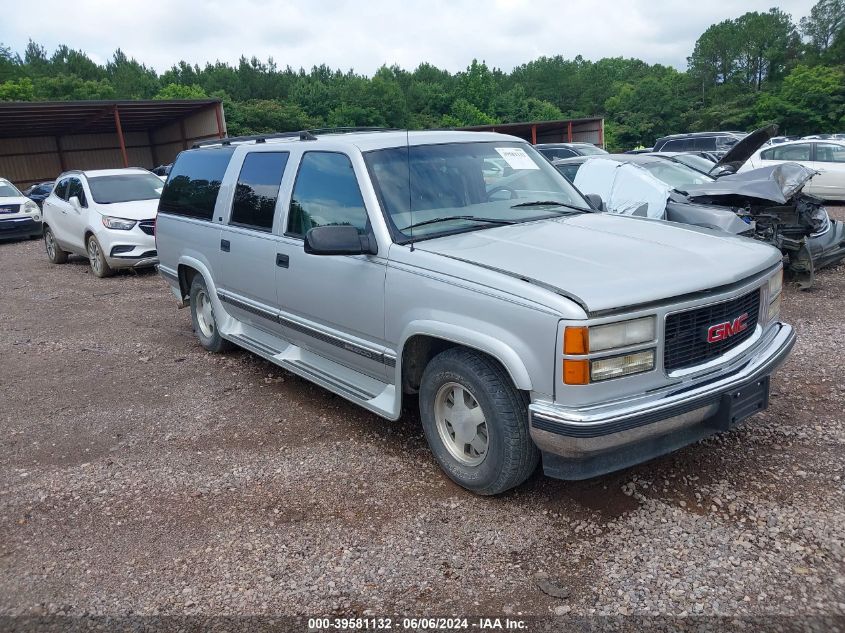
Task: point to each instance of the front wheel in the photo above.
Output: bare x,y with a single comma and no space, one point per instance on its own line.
476,422
202,316
99,266
54,252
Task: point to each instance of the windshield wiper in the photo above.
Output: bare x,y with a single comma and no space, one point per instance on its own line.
458,217
549,203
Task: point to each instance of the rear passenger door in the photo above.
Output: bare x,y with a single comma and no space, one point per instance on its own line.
246,269
332,304
829,161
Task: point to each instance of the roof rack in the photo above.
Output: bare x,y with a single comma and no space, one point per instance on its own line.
351,130
303,135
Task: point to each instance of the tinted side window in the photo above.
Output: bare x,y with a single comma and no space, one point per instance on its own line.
194,182
258,189
61,189
705,144
75,189
326,193
678,145
830,153
569,170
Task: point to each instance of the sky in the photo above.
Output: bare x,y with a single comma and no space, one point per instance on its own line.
364,34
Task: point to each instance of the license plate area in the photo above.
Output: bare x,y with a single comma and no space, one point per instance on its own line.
741,403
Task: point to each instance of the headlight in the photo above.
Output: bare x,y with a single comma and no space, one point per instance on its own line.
30,207
582,340
774,295
622,334
618,366
118,223
775,284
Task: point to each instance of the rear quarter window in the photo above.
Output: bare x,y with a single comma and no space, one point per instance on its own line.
194,183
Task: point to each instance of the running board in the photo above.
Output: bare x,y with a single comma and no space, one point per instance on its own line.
366,391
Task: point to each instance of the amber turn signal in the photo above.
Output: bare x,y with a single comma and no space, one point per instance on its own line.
576,340
576,372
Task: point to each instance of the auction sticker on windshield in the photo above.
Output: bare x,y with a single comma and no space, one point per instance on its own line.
517,158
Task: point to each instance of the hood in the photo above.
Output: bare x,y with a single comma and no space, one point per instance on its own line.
134,210
10,200
743,150
776,183
607,262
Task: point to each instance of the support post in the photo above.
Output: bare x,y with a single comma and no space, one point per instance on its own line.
533,134
569,132
62,161
601,134
183,134
218,112
120,136
153,152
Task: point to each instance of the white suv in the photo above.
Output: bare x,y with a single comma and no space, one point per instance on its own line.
105,215
19,216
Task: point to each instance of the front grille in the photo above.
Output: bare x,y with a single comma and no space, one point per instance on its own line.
147,226
8,209
686,332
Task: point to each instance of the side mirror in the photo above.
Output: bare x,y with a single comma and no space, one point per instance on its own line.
338,240
595,201
75,203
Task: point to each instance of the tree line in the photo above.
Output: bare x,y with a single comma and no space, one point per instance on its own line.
759,68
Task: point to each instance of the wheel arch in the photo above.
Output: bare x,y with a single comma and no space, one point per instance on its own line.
424,340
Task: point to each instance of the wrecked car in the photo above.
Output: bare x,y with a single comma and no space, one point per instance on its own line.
765,204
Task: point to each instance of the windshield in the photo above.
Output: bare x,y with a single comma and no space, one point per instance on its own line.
8,190
699,163
675,175
465,186
125,188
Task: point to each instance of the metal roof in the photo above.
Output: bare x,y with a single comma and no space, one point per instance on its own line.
54,118
520,128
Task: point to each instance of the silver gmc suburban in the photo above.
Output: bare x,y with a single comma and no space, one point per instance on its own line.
462,268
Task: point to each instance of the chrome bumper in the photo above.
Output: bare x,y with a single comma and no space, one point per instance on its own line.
578,443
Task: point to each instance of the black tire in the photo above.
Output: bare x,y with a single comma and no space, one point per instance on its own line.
55,254
209,339
511,455
97,259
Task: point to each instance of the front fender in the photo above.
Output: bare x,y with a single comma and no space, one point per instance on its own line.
469,338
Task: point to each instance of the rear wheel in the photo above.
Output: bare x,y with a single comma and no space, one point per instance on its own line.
202,316
99,266
476,422
54,252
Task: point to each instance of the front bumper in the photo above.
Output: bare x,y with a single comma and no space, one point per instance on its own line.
130,249
12,228
578,443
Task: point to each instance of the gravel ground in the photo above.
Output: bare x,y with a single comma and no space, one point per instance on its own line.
140,474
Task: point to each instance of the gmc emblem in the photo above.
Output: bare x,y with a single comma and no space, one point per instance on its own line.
721,331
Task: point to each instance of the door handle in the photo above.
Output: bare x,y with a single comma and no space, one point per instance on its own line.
282,261
225,246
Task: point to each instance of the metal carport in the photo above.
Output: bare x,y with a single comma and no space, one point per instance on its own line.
39,140
586,130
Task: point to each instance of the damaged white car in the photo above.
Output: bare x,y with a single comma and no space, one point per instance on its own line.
766,204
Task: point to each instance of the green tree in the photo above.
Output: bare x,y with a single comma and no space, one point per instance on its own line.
179,91
825,22
17,90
